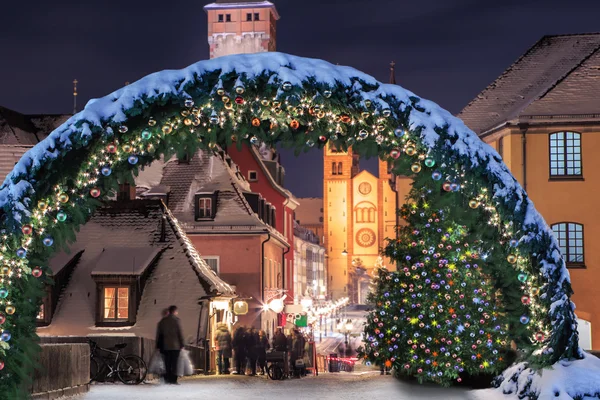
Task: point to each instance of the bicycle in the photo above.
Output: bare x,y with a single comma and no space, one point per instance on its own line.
130,369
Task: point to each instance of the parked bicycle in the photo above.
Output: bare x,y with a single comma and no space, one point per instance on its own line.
130,369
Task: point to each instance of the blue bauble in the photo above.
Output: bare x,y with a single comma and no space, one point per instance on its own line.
436,175
21,253
48,241
3,293
133,159
106,170
399,132
5,336
524,319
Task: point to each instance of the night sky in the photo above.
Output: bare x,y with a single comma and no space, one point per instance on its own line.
445,50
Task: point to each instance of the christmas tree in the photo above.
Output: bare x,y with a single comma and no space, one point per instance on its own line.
439,316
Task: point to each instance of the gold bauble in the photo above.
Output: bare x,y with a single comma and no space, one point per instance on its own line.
410,150
10,310
151,122
166,129
473,203
225,99
42,205
63,198
185,113
416,168
511,258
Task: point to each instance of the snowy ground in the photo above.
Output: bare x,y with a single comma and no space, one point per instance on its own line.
344,386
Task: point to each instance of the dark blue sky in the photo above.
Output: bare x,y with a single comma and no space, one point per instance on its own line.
445,50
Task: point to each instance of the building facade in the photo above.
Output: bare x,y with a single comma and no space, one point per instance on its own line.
240,27
310,274
542,115
359,214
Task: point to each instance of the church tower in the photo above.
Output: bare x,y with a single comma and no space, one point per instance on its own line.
339,169
241,27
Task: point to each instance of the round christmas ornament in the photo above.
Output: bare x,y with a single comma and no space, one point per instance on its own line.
524,319
214,119
255,122
5,336
21,253
511,258
410,150
185,113
111,148
323,138
2,319
189,103
436,175
345,118
522,277
386,112
416,168
147,134
535,291
447,186
287,86
36,272
3,293
10,310
106,170
61,216
429,162
220,91
240,89
63,198
132,159
166,129
225,99
27,229
1,365
123,129
48,241
127,148
151,122
42,205
473,203
525,300
399,132
540,336
363,134
5,270
239,100
294,124
265,102
395,153
327,94
95,192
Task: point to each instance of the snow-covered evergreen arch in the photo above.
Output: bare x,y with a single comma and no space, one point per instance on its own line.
271,98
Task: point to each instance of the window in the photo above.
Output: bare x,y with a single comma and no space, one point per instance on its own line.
252,176
570,240
340,168
116,303
213,263
220,17
41,315
501,147
124,192
565,154
204,207
256,16
333,168
228,18
249,17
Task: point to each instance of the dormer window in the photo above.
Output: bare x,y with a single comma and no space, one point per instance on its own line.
206,206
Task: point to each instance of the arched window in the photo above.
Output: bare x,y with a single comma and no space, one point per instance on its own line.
364,212
570,241
565,154
333,168
340,168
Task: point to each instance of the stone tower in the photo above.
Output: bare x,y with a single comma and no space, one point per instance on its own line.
241,26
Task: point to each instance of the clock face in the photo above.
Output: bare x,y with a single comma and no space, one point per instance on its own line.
365,237
364,188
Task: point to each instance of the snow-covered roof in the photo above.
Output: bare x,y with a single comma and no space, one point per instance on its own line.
233,4
558,76
125,260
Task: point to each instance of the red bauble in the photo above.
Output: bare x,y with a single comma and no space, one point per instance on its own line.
239,100
95,192
111,148
255,122
27,229
447,186
37,272
294,124
395,153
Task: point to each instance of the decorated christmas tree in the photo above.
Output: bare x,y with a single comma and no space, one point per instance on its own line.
439,316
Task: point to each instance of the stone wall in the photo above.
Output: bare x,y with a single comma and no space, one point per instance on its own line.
64,371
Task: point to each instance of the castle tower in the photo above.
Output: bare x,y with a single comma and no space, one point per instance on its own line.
241,26
339,169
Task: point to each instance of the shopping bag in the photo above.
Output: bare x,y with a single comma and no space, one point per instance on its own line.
184,364
157,364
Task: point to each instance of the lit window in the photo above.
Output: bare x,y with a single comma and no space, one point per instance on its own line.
116,303
41,313
570,241
565,154
228,18
204,207
220,17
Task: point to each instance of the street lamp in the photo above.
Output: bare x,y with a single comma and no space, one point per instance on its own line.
344,253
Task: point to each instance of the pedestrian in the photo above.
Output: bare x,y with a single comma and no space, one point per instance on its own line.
239,346
279,341
223,341
169,341
297,351
252,350
262,347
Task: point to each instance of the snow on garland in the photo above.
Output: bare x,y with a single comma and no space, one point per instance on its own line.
268,98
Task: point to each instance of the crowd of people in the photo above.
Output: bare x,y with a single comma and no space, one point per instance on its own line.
248,348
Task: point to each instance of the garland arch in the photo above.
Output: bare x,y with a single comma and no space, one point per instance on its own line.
271,98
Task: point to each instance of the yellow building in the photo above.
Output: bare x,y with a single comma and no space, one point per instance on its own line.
359,214
542,115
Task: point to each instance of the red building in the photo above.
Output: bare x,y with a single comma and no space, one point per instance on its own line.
262,169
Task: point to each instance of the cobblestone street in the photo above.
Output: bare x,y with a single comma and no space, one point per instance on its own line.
346,386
